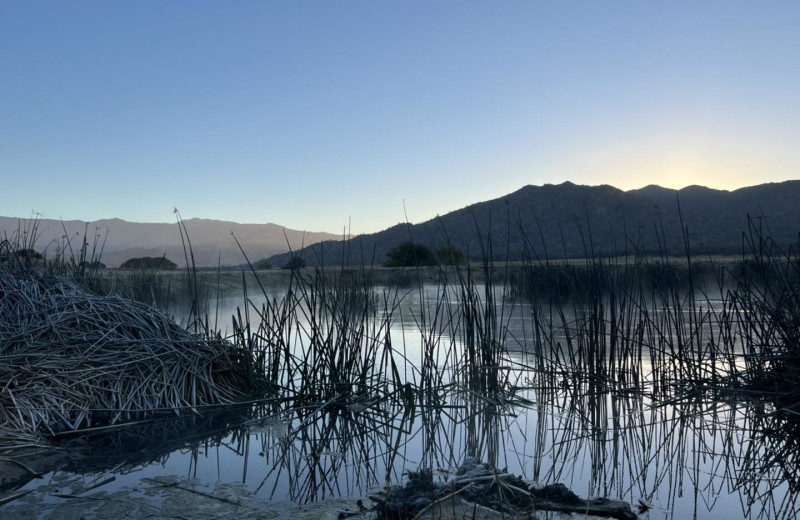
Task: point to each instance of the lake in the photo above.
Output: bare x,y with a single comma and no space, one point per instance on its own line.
622,397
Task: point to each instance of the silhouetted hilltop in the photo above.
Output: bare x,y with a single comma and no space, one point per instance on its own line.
569,220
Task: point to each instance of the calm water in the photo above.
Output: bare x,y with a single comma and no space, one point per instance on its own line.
700,455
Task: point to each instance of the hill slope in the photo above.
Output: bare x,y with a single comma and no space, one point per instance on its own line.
211,239
572,220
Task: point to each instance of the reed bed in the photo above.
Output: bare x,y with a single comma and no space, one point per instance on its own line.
766,304
71,360
631,363
326,340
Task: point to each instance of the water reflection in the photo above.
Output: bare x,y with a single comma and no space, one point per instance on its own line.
700,457
608,416
573,398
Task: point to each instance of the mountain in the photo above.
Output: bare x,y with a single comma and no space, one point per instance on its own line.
574,221
211,240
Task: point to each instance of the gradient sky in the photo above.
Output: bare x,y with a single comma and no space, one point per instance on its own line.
313,114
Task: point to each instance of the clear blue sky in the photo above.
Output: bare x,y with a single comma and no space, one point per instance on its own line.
311,114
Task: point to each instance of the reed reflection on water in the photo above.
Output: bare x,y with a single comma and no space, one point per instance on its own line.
626,396
621,391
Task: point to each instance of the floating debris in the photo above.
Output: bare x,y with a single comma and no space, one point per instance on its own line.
494,491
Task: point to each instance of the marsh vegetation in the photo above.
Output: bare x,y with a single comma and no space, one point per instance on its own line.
641,378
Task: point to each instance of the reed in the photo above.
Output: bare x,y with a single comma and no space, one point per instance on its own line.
764,308
73,360
618,358
326,340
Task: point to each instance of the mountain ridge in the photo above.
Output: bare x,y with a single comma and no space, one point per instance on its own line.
211,239
573,220
554,220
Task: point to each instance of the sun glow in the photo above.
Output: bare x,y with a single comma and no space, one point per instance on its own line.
676,170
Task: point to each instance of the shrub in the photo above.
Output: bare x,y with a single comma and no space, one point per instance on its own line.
295,263
29,253
149,262
409,254
450,255
92,265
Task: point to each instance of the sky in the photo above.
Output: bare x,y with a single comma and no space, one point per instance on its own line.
338,115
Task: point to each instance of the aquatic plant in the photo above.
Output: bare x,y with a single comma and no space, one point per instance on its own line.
765,305
71,360
619,359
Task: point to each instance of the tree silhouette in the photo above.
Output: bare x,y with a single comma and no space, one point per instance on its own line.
408,254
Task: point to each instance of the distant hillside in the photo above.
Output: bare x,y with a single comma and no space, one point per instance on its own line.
211,239
571,220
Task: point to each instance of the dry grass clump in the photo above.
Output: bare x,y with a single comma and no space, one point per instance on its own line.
71,360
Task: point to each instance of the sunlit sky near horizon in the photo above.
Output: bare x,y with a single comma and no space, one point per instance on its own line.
316,114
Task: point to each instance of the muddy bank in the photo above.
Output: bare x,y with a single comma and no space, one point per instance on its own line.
122,448
20,466
68,497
